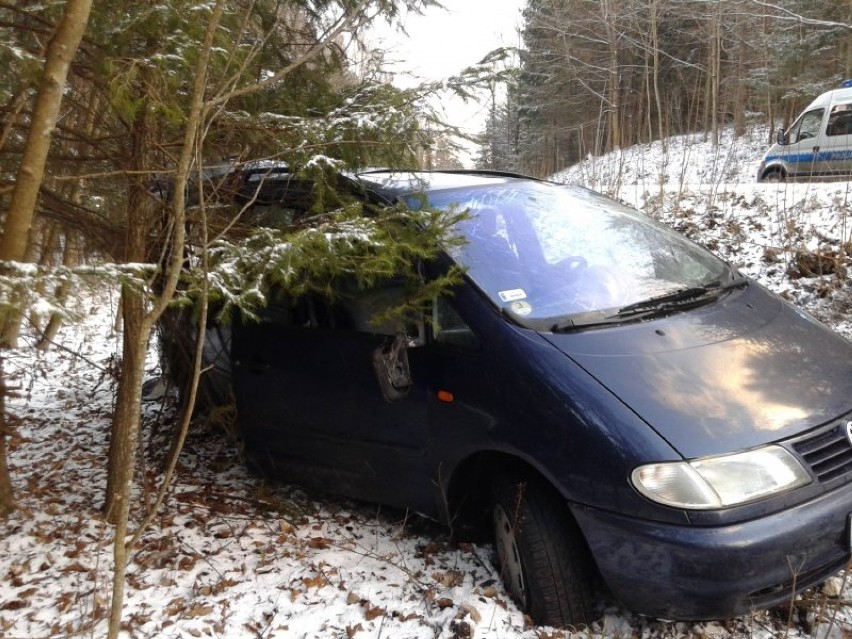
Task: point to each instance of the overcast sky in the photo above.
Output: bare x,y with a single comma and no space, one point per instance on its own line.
441,43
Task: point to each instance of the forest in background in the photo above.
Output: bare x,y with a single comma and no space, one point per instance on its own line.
596,75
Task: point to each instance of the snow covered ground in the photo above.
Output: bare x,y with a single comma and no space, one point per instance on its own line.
233,556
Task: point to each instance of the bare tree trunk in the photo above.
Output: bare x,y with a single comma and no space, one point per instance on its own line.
770,103
715,68
70,259
848,45
125,422
13,112
10,325
136,339
655,51
741,31
7,499
60,53
71,249
43,248
646,86
19,218
613,81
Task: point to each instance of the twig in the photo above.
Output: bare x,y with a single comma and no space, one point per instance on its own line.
43,337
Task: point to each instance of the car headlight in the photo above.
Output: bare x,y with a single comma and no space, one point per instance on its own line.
717,482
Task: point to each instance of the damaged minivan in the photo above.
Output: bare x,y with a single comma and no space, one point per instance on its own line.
617,406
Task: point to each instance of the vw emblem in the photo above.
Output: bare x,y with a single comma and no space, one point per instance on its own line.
849,431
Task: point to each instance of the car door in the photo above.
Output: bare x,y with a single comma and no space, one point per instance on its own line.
802,154
838,137
312,410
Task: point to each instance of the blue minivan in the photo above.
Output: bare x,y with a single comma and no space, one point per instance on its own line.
618,407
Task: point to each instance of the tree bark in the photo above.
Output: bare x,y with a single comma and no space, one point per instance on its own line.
7,499
60,53
70,259
613,80
126,422
19,218
715,70
73,241
655,44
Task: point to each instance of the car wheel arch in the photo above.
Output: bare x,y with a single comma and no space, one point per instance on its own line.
774,174
471,505
466,492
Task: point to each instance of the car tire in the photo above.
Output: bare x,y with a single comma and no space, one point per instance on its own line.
542,556
776,175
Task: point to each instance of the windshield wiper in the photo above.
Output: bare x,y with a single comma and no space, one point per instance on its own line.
737,280
663,301
635,311
577,323
679,299
684,296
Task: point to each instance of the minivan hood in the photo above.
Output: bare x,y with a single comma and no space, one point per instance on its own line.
746,370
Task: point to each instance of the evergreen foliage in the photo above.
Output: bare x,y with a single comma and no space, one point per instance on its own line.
345,250
129,96
135,69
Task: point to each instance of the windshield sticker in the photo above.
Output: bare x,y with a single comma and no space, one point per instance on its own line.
521,308
512,295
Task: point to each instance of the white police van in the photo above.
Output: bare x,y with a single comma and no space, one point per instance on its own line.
819,143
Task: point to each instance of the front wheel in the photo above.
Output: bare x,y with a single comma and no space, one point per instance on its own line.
776,175
543,557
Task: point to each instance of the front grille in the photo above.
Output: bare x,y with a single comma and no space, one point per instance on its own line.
828,454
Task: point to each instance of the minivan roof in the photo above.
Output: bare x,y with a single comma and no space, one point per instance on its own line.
832,97
392,183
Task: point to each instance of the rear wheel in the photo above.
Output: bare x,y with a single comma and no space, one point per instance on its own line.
543,557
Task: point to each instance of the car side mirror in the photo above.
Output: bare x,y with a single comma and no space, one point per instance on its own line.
390,362
781,137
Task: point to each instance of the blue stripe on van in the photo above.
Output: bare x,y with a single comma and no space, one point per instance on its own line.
831,156
799,157
822,156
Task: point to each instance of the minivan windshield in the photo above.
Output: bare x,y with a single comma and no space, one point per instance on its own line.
543,251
